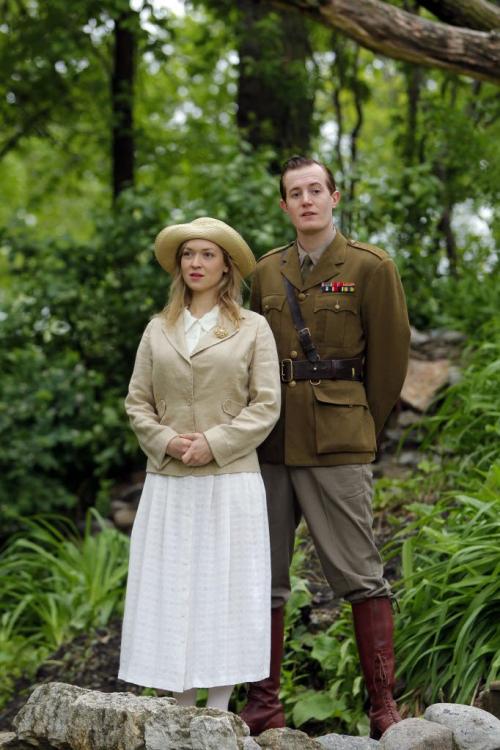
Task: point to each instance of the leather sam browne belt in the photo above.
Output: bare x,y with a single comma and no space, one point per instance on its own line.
313,368
322,369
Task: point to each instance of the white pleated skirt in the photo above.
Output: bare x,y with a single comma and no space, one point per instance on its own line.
197,608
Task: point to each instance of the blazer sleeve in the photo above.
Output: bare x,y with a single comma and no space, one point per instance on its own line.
255,421
140,406
387,333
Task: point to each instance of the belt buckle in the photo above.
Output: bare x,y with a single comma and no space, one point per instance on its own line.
286,370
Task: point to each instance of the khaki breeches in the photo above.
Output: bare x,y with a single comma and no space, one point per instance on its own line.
336,502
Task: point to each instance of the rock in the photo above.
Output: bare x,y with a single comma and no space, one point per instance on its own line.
345,742
67,717
248,743
286,739
418,338
408,417
212,733
124,518
417,734
473,728
9,741
423,381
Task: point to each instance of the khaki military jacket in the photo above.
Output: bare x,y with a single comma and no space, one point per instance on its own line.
335,421
228,389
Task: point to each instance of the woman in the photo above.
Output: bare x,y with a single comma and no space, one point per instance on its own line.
204,394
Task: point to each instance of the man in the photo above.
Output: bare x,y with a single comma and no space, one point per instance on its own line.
341,376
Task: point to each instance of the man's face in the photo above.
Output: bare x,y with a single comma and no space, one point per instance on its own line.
309,202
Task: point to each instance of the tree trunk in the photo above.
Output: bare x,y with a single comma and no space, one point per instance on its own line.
122,101
390,31
275,90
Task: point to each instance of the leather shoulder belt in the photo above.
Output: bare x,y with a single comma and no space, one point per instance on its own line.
314,368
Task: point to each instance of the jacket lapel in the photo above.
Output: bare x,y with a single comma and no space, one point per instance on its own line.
177,337
223,331
330,263
290,267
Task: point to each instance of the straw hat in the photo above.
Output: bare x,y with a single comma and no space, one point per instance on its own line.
204,228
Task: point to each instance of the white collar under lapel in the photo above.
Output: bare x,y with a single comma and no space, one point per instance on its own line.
224,329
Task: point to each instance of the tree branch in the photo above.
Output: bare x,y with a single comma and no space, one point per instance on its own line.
474,14
392,32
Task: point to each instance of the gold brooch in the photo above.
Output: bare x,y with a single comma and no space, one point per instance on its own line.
220,332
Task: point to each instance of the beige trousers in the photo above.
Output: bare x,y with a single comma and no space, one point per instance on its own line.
336,502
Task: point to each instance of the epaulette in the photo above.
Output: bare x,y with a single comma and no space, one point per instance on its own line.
370,248
275,250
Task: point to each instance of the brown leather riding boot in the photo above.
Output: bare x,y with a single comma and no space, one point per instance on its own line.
264,709
373,626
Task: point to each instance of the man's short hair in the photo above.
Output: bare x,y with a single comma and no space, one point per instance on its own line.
296,162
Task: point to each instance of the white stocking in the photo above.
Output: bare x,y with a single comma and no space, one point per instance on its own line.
187,698
218,697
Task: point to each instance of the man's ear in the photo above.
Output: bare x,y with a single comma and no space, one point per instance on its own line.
283,206
335,198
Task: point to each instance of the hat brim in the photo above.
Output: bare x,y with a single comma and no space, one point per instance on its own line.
171,238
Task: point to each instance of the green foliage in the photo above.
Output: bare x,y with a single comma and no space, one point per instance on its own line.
69,328
447,637
321,683
55,583
467,425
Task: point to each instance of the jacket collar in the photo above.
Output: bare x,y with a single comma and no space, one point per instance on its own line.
327,268
225,328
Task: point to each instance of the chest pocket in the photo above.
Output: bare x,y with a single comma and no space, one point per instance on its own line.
272,306
336,318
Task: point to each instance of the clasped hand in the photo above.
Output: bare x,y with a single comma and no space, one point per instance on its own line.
191,448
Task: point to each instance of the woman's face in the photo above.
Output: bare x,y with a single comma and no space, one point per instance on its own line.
202,266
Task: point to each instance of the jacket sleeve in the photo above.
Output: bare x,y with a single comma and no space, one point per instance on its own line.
140,406
387,334
255,421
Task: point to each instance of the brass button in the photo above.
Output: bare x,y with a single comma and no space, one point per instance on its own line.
294,354
337,306
292,383
266,307
301,296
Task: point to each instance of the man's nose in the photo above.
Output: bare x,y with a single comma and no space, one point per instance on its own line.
306,197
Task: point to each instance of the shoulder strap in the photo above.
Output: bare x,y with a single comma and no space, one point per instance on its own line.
303,332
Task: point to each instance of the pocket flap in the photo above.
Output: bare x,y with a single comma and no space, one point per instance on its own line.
340,392
231,407
336,303
273,302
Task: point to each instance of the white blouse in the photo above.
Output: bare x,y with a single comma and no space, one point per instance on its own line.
195,327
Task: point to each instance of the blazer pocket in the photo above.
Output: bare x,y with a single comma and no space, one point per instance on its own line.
231,407
343,423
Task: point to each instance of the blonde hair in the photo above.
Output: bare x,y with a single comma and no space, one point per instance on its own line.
228,294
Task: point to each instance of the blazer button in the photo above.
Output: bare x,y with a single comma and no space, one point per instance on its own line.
292,383
301,296
294,354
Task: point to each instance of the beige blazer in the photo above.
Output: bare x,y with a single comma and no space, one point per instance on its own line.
228,389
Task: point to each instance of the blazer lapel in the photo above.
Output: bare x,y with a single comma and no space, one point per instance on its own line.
223,331
177,337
